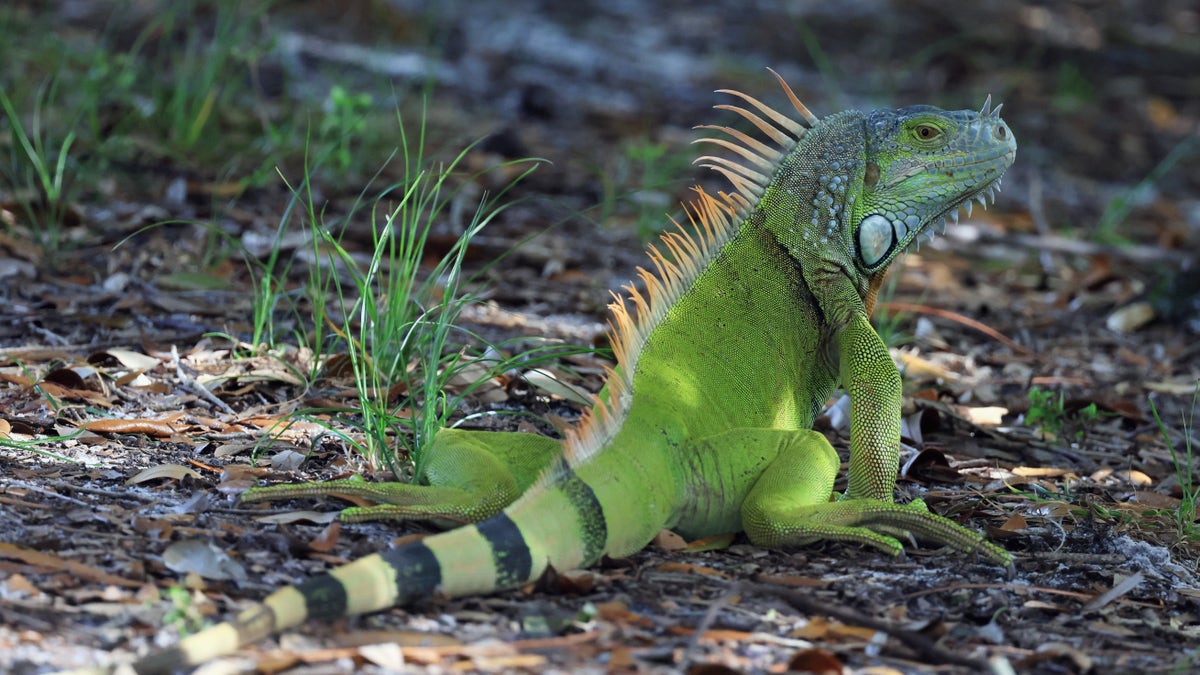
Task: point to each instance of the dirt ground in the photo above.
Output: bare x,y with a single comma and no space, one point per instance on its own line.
1081,281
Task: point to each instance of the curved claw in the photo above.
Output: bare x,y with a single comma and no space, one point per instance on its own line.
874,522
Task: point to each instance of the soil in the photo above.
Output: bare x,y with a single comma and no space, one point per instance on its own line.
1082,281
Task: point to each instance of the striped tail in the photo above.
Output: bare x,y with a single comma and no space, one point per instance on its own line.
560,524
456,563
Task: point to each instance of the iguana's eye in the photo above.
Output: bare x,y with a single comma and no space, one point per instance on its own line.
927,132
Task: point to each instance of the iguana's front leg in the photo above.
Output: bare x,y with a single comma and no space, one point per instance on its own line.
789,506
872,382
469,476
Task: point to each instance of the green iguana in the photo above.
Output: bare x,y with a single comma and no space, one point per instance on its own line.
750,320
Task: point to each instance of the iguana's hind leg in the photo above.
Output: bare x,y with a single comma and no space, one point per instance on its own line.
789,506
469,476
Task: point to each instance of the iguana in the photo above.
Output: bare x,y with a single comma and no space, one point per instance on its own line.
750,320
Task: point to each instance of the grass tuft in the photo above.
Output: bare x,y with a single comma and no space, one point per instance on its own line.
1184,461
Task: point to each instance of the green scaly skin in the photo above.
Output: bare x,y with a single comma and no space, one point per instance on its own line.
472,477
705,425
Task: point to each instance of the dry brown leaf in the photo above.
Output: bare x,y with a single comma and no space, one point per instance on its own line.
577,582
1015,523
159,428
816,661
1111,629
688,568
618,612
824,629
929,464
554,385
1136,477
17,585
1043,605
1155,500
67,377
315,517
501,663
61,393
815,629
237,478
128,358
387,655
327,539
159,528
202,558
1130,318
919,370
667,540
168,471
716,542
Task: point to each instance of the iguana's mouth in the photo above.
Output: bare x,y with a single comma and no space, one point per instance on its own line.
952,213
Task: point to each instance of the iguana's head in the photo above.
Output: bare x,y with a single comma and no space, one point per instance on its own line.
922,164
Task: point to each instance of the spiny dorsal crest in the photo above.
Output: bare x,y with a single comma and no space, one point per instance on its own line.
712,222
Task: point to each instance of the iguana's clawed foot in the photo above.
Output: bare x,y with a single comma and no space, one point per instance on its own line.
876,523
788,506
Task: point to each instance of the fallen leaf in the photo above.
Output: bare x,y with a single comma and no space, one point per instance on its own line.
815,661
552,384
1130,318
159,428
128,358
1110,629
1155,500
327,539
984,416
576,582
17,586
667,540
169,471
287,460
687,568
191,556
1015,523
58,392
387,655
316,517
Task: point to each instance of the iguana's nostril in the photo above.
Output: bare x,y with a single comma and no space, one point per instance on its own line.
1002,131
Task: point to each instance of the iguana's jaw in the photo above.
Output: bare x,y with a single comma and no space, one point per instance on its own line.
984,197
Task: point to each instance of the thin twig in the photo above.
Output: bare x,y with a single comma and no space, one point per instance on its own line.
195,387
710,616
958,318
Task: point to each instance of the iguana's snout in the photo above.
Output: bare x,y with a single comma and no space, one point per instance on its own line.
923,164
